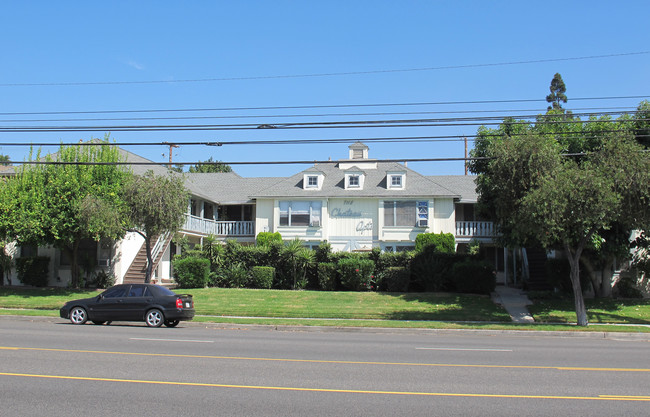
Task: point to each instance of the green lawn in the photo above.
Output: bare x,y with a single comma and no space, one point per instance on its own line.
307,304
598,310
359,309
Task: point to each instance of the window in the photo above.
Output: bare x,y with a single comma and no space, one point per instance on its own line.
406,213
396,181
115,292
353,181
27,251
138,291
300,213
312,181
86,254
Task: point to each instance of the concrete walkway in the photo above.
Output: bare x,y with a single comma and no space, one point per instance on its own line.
514,301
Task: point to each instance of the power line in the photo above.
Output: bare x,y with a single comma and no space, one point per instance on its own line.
597,111
324,106
283,125
398,139
328,74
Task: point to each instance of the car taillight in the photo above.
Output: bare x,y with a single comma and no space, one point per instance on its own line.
179,303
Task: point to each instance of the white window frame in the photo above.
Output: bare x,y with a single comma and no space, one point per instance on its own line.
354,181
315,213
312,181
421,212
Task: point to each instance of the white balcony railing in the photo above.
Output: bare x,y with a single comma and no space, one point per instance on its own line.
217,228
475,229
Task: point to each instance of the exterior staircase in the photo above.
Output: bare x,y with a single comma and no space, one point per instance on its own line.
136,272
537,270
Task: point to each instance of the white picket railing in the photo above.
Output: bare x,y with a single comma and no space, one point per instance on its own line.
218,228
475,229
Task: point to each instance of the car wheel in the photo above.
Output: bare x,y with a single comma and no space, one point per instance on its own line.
154,318
98,322
78,315
171,323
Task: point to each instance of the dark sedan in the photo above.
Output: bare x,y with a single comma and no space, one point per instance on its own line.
153,304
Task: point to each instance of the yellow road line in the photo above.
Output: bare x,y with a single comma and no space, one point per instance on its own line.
450,365
331,390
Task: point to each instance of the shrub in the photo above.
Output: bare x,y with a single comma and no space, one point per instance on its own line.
191,272
323,252
327,276
234,276
262,276
33,270
104,279
626,288
356,273
431,270
474,276
266,238
442,242
394,279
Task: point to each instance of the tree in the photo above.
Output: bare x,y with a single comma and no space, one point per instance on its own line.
46,204
210,166
567,203
156,205
557,96
4,160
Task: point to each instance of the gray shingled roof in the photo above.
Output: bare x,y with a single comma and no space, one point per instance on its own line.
465,185
375,185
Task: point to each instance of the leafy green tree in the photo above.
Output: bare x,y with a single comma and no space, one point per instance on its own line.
567,203
210,166
49,204
557,96
155,205
4,160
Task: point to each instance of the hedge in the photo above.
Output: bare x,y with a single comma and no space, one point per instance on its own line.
191,272
33,270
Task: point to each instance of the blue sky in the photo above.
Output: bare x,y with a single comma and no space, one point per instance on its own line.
135,55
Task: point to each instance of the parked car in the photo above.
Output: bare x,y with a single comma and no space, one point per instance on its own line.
153,304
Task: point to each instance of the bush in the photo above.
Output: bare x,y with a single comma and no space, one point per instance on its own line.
356,273
262,276
474,277
626,288
394,279
104,279
267,238
432,270
442,242
33,270
234,276
327,276
191,272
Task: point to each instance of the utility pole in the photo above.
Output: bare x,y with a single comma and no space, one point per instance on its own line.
171,149
465,155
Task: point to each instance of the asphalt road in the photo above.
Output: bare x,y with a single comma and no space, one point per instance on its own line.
51,368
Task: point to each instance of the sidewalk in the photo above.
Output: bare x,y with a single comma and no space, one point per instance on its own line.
514,301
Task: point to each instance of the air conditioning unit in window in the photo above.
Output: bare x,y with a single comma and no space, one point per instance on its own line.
315,223
103,262
423,222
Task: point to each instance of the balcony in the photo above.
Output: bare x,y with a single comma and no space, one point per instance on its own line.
468,230
217,228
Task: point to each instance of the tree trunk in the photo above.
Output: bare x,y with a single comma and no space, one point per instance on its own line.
72,252
147,276
574,261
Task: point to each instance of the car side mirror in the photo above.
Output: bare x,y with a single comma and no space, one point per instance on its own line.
100,297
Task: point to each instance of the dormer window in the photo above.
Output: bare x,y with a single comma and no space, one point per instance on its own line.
396,180
312,180
354,179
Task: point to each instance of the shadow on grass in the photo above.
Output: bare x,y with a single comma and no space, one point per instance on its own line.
598,310
448,307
